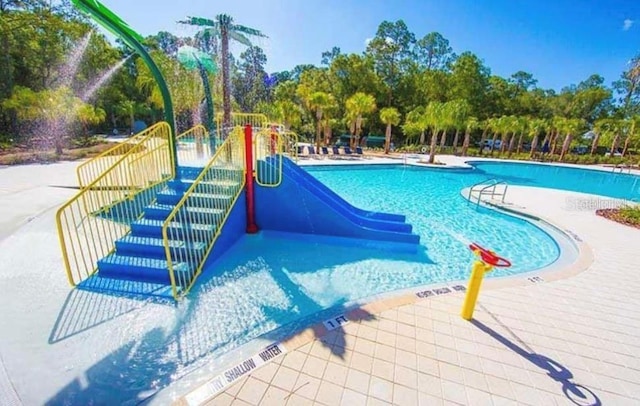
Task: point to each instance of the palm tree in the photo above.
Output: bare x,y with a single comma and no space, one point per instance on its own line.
523,126
88,115
357,106
328,118
616,128
128,108
318,102
633,124
486,126
224,27
471,124
601,127
557,123
433,117
535,128
459,114
571,127
414,124
389,116
510,126
289,113
498,126
446,121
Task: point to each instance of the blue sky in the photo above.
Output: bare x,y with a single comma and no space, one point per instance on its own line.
559,41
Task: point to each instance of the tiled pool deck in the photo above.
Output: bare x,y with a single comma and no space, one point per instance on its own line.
569,341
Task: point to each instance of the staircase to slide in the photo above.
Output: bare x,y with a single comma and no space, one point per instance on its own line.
134,221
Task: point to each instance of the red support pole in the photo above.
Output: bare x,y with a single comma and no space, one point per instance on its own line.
252,228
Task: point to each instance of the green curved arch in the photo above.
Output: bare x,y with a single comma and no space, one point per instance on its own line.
113,23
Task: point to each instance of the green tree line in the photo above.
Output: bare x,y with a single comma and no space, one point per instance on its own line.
413,90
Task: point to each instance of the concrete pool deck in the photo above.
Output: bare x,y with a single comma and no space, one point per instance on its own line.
557,340
529,344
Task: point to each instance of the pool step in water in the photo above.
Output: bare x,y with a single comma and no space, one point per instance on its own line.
141,269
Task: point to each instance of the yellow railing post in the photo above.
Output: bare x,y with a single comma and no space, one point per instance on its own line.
223,174
115,188
486,262
478,270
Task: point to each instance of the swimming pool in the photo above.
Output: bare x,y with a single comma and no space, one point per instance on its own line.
600,182
270,285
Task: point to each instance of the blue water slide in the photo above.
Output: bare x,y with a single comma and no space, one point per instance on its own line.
331,195
369,219
299,205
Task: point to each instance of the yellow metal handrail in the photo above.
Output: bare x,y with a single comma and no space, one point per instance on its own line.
192,228
89,170
268,148
290,144
255,120
90,222
196,145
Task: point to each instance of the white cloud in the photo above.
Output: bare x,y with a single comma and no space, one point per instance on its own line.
366,41
626,24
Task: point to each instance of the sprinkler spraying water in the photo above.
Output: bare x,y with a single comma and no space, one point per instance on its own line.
101,80
68,71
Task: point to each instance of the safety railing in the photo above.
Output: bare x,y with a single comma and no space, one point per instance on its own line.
196,146
621,167
192,228
255,120
488,187
268,149
290,144
89,170
90,223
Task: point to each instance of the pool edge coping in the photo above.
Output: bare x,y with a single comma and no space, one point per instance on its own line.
360,309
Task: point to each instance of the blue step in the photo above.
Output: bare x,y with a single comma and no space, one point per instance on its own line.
214,186
190,173
142,269
153,228
171,196
200,215
149,247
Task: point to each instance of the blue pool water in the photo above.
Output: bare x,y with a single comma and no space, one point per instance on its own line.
605,183
269,285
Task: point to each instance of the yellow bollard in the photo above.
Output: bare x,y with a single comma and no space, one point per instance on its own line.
488,260
478,270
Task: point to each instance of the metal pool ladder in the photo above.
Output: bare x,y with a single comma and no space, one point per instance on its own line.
488,187
621,168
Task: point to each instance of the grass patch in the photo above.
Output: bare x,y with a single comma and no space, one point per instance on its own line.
631,214
627,215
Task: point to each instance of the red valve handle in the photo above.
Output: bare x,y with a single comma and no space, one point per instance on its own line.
489,257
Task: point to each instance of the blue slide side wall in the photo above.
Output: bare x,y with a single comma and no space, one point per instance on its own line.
364,218
300,206
331,195
233,229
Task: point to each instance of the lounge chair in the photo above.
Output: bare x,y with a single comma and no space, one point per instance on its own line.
336,151
359,151
324,150
347,151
